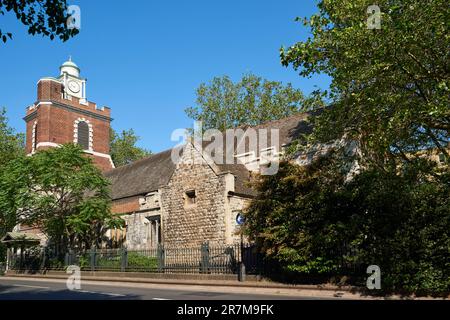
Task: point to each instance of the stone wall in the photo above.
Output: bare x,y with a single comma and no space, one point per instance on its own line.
141,231
211,218
237,205
191,224
142,220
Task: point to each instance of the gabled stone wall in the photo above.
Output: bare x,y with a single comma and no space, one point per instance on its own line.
187,224
212,218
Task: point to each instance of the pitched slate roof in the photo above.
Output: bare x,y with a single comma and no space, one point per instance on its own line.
155,171
20,237
142,176
290,128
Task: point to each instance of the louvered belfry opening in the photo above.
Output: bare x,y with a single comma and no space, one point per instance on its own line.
35,137
83,135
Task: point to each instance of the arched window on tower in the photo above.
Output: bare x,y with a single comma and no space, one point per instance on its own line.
34,135
83,135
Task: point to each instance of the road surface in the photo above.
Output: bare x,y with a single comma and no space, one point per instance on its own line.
50,289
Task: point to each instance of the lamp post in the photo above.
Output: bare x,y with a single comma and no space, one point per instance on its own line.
240,220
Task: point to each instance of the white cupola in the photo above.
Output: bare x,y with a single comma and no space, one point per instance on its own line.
70,68
74,86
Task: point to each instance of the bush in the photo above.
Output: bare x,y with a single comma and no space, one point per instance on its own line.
83,262
135,261
55,264
2,253
138,261
109,262
312,223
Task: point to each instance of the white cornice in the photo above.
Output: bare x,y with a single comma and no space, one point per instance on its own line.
49,79
47,144
94,153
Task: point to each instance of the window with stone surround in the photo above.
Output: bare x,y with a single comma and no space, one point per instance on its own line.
34,137
190,198
83,135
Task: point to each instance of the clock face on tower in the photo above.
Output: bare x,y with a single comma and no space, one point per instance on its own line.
74,86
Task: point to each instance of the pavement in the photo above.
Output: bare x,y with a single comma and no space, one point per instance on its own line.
180,279
12,288
44,287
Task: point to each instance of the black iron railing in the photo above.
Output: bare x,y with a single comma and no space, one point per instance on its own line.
203,259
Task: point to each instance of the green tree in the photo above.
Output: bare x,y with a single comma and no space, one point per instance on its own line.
11,147
61,192
123,148
46,17
390,86
390,94
223,104
312,223
11,143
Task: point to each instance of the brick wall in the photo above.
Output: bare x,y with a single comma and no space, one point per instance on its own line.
104,164
125,205
52,90
55,123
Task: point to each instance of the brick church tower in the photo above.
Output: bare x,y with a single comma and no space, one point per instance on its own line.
62,114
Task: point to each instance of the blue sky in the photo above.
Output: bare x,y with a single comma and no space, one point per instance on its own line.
145,59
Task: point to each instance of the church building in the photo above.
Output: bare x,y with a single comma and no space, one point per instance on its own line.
182,203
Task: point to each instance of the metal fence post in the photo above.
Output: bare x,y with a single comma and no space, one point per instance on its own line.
93,258
242,271
8,259
205,257
21,258
160,255
124,259
44,258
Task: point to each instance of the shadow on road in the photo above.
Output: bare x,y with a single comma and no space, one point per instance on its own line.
8,292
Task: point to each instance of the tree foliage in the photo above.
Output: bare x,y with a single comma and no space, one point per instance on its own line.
46,17
61,192
11,147
390,95
313,223
11,143
223,104
123,148
390,87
